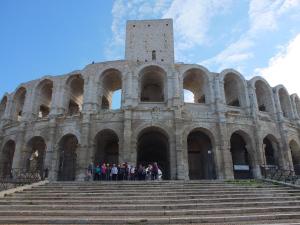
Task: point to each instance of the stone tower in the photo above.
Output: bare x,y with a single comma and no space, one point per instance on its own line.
150,40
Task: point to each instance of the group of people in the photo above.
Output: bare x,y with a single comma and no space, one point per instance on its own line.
124,171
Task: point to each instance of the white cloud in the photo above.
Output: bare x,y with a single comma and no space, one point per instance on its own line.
284,67
264,16
188,96
192,19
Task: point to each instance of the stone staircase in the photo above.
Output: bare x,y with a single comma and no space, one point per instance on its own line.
166,202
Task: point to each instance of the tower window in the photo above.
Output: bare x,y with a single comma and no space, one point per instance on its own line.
153,55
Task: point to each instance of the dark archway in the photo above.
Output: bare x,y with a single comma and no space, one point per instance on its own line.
200,156
295,151
270,150
19,101
240,157
35,154
152,84
75,90
44,98
196,86
107,147
153,146
234,90
67,158
7,157
111,84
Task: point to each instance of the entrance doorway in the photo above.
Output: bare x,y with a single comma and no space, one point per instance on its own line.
240,157
270,151
200,156
7,159
153,146
295,151
106,147
67,158
35,155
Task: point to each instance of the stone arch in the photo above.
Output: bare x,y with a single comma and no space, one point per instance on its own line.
153,84
19,101
271,150
284,101
111,82
106,143
200,151
153,145
7,156
295,152
196,83
3,105
234,88
75,91
35,154
43,98
68,145
242,154
296,101
264,97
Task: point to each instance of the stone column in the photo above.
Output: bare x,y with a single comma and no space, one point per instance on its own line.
223,158
59,98
127,153
182,172
50,151
83,153
18,161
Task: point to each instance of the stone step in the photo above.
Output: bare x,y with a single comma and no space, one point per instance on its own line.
102,206
148,193
80,196
198,212
146,220
151,201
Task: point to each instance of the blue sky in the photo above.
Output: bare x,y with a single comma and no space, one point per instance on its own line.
53,37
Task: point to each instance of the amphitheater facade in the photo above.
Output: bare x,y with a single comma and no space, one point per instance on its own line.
231,128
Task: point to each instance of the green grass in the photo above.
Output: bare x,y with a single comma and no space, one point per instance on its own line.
249,183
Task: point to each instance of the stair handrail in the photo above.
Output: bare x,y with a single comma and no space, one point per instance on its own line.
273,172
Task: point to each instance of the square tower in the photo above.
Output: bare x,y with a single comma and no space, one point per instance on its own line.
150,40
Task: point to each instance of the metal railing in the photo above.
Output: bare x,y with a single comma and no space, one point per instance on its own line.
285,175
19,176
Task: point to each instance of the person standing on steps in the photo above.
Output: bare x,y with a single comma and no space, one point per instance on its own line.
114,172
154,171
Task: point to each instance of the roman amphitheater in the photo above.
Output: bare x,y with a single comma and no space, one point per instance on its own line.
232,127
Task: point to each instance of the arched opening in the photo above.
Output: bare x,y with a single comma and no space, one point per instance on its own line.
111,89
263,97
153,146
19,100
153,55
152,79
271,147
195,86
44,98
3,106
297,105
234,90
67,158
7,157
240,157
107,147
35,155
200,156
295,151
285,103
75,86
